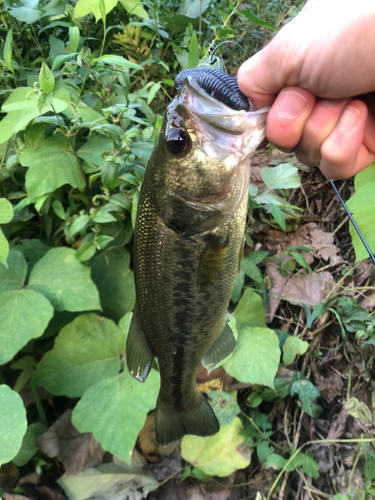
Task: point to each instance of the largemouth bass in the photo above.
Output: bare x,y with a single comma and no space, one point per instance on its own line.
188,248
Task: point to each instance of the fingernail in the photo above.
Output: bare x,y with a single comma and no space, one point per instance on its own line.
291,105
348,119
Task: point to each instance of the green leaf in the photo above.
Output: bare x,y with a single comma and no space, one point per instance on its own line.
264,450
193,58
301,261
193,8
134,7
111,274
24,315
7,52
26,11
359,409
50,167
86,252
13,423
258,21
152,92
27,366
58,209
292,347
224,406
46,78
277,214
307,394
64,281
73,38
369,465
118,61
29,447
93,149
362,205
250,310
43,102
79,224
60,60
13,276
256,358
103,218
115,409
218,455
274,461
108,482
85,352
284,176
251,270
4,249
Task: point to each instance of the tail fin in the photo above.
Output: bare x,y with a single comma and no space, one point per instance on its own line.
199,420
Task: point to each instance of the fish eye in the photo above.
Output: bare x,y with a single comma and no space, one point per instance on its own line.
178,141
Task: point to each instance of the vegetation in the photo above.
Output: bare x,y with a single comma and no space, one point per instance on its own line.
83,89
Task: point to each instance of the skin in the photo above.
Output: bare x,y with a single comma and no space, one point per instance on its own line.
318,73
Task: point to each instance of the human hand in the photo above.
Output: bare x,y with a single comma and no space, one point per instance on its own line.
313,71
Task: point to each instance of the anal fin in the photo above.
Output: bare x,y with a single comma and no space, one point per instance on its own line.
224,345
139,356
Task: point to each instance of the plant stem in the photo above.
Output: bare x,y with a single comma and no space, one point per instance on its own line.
39,407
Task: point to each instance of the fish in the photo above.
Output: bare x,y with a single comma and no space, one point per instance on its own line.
188,245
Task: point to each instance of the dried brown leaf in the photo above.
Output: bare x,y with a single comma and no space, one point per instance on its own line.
76,451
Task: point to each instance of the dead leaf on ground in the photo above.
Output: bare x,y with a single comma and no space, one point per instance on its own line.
14,496
175,490
329,384
108,482
147,440
311,235
76,451
310,289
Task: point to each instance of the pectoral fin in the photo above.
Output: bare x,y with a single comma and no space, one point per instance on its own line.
224,345
139,356
212,260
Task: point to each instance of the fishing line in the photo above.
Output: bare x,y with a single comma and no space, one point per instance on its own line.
371,255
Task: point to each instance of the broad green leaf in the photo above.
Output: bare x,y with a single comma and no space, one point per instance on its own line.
46,78
7,52
307,462
73,38
85,352
43,102
59,209
115,409
63,280
50,167
13,423
16,120
13,276
118,61
86,252
84,7
284,176
134,7
24,315
292,347
20,100
123,326
60,60
362,205
26,11
224,405
193,8
250,311
108,482
274,461
111,274
367,176
256,358
4,249
29,447
93,149
218,455
33,250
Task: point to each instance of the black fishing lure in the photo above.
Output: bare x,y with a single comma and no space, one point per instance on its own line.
217,84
